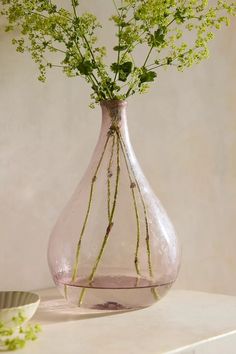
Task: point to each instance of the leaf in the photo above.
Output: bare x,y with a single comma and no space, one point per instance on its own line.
122,76
127,67
147,76
120,48
159,37
180,15
85,67
114,67
124,70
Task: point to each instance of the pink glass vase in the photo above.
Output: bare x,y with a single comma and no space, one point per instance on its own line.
113,247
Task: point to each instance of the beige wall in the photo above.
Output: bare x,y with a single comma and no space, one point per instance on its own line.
183,132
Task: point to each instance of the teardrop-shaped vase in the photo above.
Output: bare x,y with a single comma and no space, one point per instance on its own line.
113,247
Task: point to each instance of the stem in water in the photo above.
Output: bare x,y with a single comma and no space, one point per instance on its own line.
109,176
132,187
75,268
110,223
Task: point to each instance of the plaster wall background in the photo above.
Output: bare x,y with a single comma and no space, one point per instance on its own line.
183,132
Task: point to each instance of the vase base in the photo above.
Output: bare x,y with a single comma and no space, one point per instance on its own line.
117,293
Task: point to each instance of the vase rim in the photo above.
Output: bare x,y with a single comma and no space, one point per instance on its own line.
113,103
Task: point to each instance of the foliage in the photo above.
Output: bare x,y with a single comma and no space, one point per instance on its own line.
16,338
173,33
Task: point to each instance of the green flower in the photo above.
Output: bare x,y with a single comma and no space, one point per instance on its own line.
68,39
16,338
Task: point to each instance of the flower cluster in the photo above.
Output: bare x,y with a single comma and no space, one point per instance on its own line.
16,337
173,33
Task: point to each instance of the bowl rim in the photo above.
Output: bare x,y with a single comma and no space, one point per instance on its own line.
33,302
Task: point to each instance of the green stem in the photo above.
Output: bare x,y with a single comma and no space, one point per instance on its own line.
109,227
74,8
114,3
91,53
96,66
148,56
132,186
147,239
158,66
129,90
75,268
155,294
173,20
58,66
118,56
91,76
119,35
153,290
109,175
133,46
54,48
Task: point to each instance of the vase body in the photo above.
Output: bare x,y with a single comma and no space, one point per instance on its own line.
113,247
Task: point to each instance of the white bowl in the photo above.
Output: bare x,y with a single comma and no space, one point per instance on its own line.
13,303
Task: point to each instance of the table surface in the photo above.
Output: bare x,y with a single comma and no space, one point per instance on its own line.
183,322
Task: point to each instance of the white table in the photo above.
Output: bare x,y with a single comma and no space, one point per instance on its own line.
183,322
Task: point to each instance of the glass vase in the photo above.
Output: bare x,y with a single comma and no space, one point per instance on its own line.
113,247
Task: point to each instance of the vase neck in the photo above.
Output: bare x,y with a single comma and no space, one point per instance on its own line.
114,114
